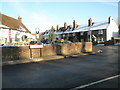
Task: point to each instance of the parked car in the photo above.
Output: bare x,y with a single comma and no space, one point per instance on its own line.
35,43
2,44
67,42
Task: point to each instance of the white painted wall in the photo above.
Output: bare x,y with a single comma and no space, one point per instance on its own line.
4,34
111,29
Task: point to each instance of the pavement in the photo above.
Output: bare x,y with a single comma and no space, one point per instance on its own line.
66,73
21,61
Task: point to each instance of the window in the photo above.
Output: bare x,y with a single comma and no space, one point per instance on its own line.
88,40
68,35
100,39
100,32
82,40
73,34
81,33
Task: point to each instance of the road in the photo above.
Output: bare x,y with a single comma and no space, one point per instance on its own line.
65,73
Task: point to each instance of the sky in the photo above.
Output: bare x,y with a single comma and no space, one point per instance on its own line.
42,15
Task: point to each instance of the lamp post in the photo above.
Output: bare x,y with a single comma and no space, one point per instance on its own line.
37,31
90,38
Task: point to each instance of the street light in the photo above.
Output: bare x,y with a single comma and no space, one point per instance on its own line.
37,31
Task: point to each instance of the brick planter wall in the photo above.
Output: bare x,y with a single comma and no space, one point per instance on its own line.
87,47
68,49
23,52
13,53
49,50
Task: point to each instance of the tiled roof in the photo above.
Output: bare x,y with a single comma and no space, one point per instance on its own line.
12,23
34,34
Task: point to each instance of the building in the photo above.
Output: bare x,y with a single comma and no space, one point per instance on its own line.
93,31
12,31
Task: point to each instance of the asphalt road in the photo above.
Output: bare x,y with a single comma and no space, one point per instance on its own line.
65,73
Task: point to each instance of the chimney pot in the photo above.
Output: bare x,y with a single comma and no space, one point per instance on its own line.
109,19
65,25
74,24
90,22
58,27
19,19
52,28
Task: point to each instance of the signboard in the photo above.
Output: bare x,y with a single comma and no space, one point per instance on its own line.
36,46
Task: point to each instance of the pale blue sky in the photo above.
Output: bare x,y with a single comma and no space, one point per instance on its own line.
46,14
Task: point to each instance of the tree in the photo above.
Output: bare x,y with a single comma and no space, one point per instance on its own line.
51,37
40,37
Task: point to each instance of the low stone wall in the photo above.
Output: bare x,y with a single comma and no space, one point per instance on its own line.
24,52
68,49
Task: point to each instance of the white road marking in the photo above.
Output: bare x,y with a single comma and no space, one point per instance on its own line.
96,82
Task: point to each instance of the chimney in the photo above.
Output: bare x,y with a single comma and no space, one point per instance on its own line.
52,28
90,22
19,19
58,27
65,25
109,19
74,24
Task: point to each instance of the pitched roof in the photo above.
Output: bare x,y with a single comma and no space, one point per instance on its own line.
95,26
85,27
12,23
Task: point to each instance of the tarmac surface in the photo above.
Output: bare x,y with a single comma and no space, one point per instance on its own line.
68,72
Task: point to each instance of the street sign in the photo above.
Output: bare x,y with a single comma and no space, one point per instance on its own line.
36,46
